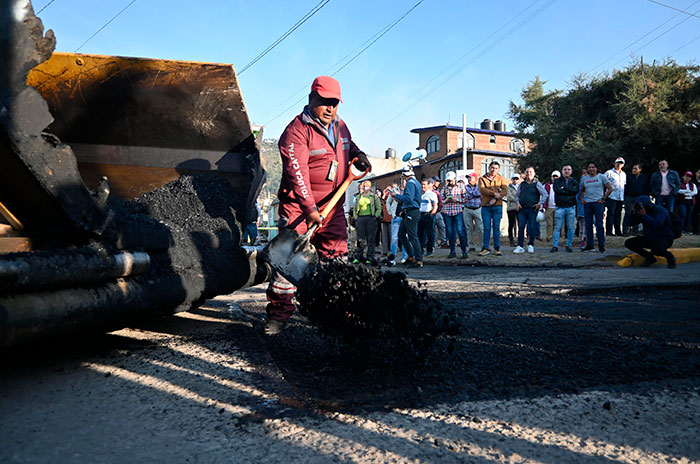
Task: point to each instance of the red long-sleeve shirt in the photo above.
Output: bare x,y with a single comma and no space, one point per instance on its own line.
307,156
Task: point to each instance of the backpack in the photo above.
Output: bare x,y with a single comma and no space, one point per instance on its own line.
676,225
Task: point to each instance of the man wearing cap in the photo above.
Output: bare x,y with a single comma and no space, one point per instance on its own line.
453,199
473,223
614,203
316,149
550,205
664,185
410,209
428,210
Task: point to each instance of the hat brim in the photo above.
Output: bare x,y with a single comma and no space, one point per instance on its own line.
326,94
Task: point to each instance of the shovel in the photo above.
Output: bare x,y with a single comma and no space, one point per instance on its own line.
293,255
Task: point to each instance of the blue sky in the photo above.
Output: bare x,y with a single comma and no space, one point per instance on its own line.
446,58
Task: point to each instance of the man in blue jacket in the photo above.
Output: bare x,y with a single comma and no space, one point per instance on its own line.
658,233
410,208
664,185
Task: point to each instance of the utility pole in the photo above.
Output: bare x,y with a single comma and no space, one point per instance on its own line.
464,141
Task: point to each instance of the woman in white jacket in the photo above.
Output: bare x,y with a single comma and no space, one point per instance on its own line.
686,199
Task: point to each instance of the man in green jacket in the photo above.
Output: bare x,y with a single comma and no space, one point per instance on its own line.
366,211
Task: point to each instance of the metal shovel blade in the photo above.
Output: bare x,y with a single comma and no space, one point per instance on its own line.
292,255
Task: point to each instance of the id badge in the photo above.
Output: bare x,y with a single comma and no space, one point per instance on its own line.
332,171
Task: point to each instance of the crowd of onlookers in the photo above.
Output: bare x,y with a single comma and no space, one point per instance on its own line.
417,217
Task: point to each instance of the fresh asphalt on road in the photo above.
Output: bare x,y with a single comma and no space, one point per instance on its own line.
583,364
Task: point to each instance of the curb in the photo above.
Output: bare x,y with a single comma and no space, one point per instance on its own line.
683,255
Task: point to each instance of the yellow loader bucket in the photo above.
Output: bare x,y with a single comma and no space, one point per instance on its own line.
142,122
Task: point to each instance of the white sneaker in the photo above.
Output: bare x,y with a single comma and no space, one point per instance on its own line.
403,260
519,249
530,249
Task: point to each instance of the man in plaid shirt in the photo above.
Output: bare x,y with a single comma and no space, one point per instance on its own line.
474,225
453,200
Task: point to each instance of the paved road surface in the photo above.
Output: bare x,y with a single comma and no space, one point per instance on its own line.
205,386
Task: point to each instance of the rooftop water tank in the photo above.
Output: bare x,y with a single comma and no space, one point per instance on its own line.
390,153
499,126
487,124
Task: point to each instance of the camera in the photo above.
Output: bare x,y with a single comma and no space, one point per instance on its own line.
638,206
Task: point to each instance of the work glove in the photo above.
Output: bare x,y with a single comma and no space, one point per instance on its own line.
362,163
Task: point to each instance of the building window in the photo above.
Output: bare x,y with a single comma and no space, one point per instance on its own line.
433,144
453,165
470,141
492,139
507,169
517,146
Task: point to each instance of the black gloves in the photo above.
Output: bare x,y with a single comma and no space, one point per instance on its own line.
362,163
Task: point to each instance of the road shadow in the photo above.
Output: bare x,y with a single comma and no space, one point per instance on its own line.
507,348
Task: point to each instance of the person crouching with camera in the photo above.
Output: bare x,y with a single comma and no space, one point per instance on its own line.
658,233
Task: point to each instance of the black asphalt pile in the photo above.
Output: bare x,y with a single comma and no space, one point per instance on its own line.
373,311
200,212
190,230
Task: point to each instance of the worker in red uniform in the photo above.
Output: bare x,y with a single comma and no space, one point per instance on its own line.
316,148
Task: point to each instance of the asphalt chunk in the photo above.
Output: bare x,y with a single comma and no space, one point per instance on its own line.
373,311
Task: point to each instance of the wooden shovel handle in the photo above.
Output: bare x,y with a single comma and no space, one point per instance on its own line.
341,190
339,193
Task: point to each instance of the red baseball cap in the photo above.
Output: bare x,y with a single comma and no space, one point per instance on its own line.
327,87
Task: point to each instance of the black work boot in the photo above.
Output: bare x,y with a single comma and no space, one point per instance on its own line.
648,261
671,261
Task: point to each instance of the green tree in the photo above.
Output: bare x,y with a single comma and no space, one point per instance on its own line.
643,113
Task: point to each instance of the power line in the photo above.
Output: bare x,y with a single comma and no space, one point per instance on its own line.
657,37
45,6
105,25
673,8
362,48
641,38
380,36
402,107
289,31
686,44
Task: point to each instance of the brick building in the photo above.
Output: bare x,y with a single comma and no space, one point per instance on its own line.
443,145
